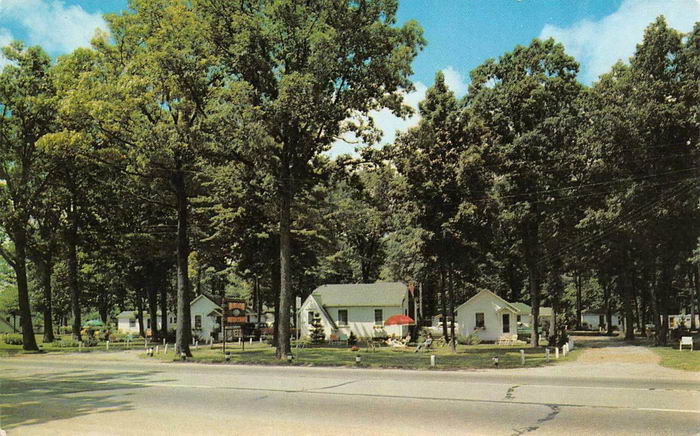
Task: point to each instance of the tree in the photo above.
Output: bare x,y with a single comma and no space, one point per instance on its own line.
522,101
28,111
318,336
313,66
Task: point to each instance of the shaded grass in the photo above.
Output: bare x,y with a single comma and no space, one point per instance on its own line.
467,357
7,350
672,357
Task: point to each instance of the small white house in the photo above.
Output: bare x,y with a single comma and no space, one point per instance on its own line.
357,308
596,320
488,316
206,318
128,323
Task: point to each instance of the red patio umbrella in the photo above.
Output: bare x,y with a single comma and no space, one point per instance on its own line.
399,320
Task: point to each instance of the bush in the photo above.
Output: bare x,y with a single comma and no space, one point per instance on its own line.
66,343
469,340
13,339
352,340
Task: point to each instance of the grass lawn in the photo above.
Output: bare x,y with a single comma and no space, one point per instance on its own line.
11,350
467,357
684,359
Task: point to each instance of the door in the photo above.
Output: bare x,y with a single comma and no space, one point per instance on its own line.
506,323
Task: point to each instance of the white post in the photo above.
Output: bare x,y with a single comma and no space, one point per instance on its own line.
193,341
546,354
251,341
164,342
196,345
522,357
565,349
432,360
107,345
80,346
239,340
165,350
556,352
261,339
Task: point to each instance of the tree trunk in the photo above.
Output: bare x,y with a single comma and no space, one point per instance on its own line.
44,269
72,261
152,294
443,288
453,339
184,323
531,243
608,309
165,284
20,267
275,279
579,285
139,312
286,194
627,304
697,287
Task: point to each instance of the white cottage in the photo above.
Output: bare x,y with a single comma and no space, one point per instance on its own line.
488,316
128,323
597,320
357,308
206,318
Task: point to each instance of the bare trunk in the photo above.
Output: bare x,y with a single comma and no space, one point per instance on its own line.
286,193
627,304
579,291
453,339
139,312
608,309
20,267
164,305
184,323
72,242
443,288
531,242
44,268
153,309
697,287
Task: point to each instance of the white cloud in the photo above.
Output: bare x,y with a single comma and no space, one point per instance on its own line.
58,28
597,45
389,123
5,39
455,81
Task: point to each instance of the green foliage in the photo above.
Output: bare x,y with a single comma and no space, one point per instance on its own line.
12,339
317,334
352,339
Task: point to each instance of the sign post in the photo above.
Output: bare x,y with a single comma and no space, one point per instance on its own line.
234,315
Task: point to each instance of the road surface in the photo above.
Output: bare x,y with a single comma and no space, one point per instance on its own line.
81,395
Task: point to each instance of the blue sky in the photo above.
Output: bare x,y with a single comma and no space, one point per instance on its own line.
461,34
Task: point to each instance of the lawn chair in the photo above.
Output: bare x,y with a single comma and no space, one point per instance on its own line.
686,340
425,345
333,339
343,339
371,345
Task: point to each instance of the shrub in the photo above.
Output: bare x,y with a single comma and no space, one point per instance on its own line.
13,339
469,340
66,343
355,348
352,340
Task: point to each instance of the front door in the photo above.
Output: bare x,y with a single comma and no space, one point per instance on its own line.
506,323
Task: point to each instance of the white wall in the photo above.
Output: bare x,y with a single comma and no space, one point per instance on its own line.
493,327
124,326
360,321
203,307
593,320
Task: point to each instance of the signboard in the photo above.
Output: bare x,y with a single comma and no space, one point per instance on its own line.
234,312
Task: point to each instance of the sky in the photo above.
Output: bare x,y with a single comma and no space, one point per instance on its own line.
461,34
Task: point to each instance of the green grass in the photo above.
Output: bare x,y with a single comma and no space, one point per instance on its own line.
7,350
684,359
467,357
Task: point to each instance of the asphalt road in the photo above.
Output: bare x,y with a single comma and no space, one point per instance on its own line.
49,395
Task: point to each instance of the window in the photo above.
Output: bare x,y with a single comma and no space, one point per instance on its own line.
506,323
342,317
198,321
480,320
311,317
518,318
132,323
148,323
378,317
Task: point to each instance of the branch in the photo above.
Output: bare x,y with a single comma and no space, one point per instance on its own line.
8,258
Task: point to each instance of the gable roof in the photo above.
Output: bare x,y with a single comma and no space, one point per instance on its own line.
503,303
366,294
206,297
523,309
324,312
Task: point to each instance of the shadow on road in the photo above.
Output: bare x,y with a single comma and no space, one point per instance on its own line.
601,341
42,398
